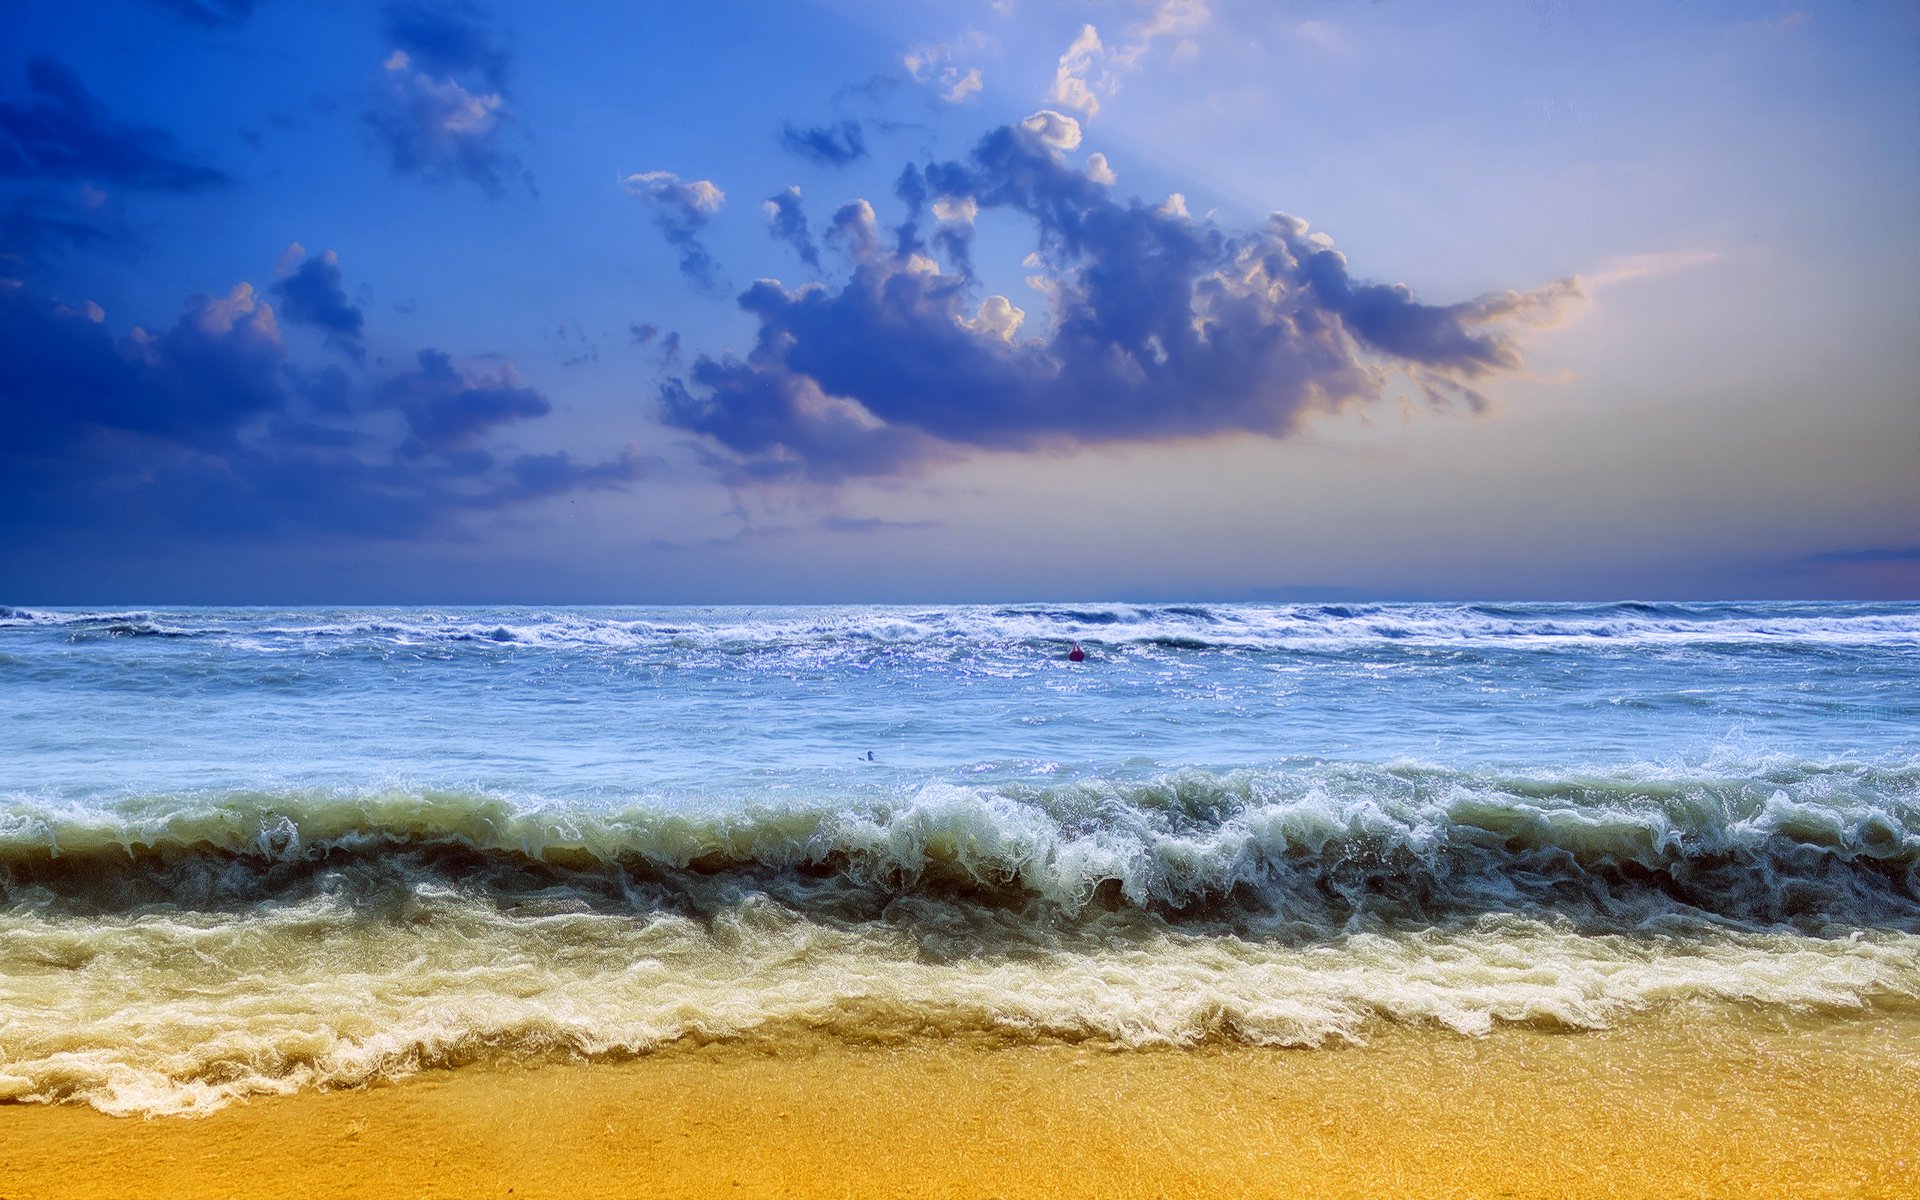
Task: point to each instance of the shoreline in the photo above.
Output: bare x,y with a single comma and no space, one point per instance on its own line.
1679,1104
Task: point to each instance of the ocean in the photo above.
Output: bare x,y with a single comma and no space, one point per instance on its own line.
249,851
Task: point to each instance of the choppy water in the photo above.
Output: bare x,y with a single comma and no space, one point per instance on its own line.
252,850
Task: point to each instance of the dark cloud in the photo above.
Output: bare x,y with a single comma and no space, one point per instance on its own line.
537,475
833,145
33,224
64,377
787,221
210,13
205,429
449,39
1156,326
681,209
63,133
439,110
1872,554
327,390
873,89
642,332
313,295
449,410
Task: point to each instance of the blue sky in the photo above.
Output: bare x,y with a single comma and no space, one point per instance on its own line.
447,302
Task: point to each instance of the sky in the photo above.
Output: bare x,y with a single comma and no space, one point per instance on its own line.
436,301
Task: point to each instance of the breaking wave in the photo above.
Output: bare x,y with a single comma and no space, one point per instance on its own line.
1803,845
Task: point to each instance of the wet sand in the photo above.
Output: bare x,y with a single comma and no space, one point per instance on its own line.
1719,1106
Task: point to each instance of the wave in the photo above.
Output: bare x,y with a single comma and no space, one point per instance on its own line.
166,1012
1282,853
172,953
1191,627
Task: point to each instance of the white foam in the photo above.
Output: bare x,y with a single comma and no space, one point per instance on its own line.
181,1014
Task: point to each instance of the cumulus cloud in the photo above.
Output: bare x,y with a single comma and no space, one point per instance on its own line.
63,133
439,110
787,221
1053,130
956,210
856,229
681,210
311,293
1158,326
833,145
204,426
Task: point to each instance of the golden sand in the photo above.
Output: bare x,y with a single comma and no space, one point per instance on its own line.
1716,1107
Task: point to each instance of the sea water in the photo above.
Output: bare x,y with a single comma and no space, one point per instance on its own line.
251,850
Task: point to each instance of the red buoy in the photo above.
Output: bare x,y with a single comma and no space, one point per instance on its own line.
1076,654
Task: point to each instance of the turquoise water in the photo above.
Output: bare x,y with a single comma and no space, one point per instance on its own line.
249,850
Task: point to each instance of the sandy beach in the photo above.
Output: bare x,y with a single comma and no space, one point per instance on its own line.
1723,1106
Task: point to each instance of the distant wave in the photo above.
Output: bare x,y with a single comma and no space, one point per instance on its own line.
1243,627
1296,853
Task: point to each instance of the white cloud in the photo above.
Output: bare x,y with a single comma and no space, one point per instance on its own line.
998,317
1321,34
699,195
1091,69
858,227
935,64
1055,130
1070,86
956,210
959,89
1097,168
1640,266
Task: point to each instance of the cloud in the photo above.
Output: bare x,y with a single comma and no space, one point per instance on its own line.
856,228
934,64
829,145
63,133
956,87
1642,266
439,110
1091,69
205,429
210,14
1158,327
33,223
1872,554
450,409
681,210
448,39
537,475
64,377
787,221
312,295
1052,130
1070,85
